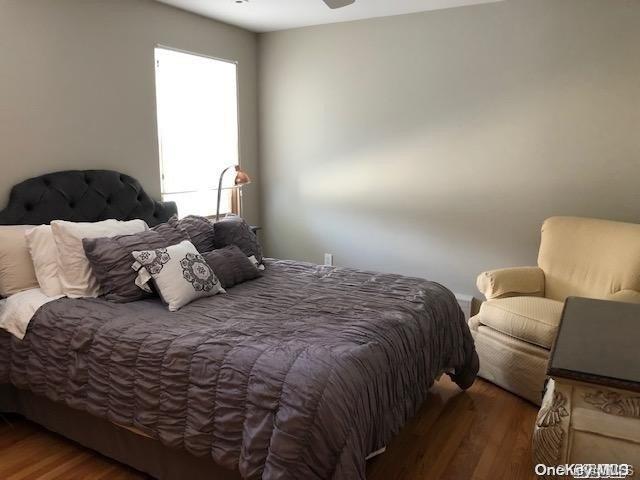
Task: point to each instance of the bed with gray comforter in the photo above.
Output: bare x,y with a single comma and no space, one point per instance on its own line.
299,374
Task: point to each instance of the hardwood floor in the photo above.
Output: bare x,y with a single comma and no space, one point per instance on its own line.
484,433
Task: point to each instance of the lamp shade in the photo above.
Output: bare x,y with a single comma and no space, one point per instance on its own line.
241,177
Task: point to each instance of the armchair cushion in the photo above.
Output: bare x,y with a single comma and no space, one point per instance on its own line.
507,282
588,257
530,319
628,296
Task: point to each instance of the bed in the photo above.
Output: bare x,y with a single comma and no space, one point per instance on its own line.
301,373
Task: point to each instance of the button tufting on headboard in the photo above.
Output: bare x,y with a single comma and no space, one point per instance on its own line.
82,196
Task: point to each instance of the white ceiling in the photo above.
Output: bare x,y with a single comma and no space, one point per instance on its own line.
271,15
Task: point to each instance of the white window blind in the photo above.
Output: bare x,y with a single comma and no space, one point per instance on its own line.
197,109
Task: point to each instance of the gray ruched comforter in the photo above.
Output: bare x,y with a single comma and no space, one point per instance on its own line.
298,374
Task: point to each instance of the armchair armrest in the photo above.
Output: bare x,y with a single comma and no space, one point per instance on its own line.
628,296
510,282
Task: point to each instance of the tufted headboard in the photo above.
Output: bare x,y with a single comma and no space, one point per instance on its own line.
82,196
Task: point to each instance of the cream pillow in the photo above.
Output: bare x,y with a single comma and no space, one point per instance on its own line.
16,269
74,270
44,254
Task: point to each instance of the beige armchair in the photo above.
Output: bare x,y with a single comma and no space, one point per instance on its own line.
515,328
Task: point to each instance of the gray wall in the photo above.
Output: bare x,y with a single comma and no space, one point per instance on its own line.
435,144
77,86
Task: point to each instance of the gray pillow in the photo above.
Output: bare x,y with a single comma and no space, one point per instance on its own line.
233,230
111,259
200,230
231,266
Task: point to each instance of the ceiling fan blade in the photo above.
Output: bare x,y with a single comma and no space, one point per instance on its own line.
338,3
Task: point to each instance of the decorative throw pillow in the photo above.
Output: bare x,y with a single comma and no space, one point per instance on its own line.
44,254
231,266
179,273
110,259
233,230
200,230
16,269
74,269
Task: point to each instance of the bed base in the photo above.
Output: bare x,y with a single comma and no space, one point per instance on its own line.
123,445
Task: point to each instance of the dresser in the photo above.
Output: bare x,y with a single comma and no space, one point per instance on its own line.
590,413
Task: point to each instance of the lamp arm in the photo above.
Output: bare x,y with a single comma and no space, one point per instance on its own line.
220,191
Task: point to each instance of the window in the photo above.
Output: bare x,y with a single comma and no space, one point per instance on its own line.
197,109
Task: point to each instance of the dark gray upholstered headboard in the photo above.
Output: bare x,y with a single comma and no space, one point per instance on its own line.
82,196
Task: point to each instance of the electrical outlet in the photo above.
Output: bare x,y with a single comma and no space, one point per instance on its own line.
328,258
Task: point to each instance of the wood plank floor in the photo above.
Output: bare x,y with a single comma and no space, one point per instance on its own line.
484,433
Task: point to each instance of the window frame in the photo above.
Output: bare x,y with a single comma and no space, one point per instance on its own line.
236,63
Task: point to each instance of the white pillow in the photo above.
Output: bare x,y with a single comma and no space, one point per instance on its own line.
44,254
74,270
179,272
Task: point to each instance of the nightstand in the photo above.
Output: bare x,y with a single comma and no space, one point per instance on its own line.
591,408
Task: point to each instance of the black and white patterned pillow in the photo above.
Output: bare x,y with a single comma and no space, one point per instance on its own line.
179,273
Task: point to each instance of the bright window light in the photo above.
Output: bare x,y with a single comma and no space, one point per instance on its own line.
197,109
